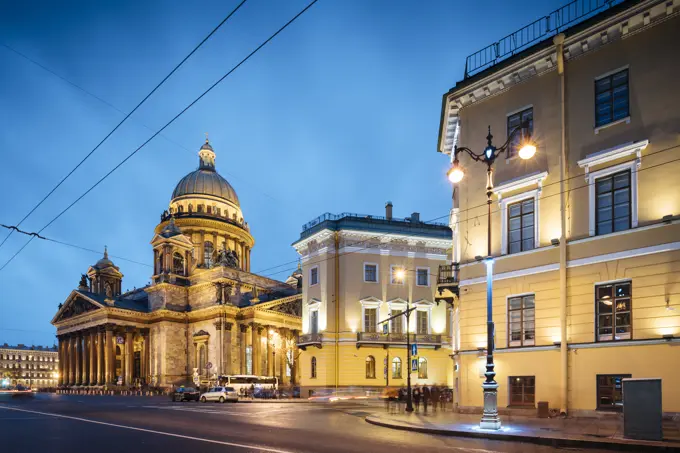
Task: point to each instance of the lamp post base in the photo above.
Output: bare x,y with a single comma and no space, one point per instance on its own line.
490,419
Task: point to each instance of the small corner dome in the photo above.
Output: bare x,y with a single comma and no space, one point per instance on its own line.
104,262
205,180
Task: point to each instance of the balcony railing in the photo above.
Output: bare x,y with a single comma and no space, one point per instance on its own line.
543,28
309,339
448,274
398,338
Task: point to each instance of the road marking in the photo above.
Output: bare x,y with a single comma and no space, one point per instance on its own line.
134,428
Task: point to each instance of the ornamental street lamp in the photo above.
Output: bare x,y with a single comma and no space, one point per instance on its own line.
527,150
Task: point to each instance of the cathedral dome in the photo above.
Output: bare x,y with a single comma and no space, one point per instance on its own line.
206,180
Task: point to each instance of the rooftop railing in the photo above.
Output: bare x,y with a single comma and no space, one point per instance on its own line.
557,21
348,215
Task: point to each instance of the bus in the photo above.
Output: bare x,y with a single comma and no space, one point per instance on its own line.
247,381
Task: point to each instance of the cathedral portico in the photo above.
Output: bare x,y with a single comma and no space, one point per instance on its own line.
203,314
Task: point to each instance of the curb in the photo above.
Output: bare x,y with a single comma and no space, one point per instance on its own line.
543,440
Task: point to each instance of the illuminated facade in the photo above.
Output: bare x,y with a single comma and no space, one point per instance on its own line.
204,314
585,234
34,366
359,259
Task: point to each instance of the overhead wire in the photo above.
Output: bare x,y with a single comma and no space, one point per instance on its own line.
87,156
215,84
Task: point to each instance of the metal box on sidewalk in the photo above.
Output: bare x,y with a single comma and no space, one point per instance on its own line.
543,410
642,410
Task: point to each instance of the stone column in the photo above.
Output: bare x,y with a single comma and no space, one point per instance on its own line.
228,369
201,249
71,359
109,355
77,349
255,340
145,355
282,356
100,357
129,354
60,357
248,259
244,330
83,359
92,379
270,353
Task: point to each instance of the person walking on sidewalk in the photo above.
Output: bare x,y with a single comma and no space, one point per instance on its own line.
434,393
426,397
416,397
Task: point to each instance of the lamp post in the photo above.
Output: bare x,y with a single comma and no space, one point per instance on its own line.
490,419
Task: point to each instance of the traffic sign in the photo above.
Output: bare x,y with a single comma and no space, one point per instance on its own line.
209,365
385,328
414,365
414,349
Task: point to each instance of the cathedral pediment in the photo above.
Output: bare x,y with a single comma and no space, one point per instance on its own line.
76,304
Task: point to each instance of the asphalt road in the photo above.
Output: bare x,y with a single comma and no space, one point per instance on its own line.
117,424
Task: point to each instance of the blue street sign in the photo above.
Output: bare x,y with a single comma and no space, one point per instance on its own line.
385,328
414,365
414,349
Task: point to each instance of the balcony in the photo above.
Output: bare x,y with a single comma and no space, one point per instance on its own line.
447,282
394,339
309,339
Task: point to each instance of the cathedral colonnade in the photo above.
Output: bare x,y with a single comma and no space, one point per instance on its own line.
99,355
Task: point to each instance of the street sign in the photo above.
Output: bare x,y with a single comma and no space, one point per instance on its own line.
385,328
120,340
414,349
414,365
209,365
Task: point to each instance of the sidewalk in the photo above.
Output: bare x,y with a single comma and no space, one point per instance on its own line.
558,432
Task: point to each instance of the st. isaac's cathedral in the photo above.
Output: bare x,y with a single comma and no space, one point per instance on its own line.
203,314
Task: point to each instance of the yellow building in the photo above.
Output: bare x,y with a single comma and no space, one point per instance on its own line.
357,271
34,366
585,234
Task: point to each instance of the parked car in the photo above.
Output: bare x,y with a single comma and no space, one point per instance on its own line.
185,394
220,394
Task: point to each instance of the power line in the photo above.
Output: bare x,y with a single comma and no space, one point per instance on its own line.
257,49
87,156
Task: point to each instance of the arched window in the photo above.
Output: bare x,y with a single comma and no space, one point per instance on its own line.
191,208
370,367
422,368
180,209
396,368
208,254
200,208
160,263
178,263
313,367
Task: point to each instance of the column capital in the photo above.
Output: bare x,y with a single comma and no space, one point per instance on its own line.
218,325
243,327
144,332
228,326
130,329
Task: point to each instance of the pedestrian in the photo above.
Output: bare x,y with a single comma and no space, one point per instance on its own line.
416,397
402,399
426,397
434,393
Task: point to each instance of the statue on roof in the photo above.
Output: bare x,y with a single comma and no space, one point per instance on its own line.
227,258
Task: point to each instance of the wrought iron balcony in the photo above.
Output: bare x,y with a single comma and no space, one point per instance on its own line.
309,339
447,282
385,339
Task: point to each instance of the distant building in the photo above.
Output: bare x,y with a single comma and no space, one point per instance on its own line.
204,313
584,234
35,366
351,267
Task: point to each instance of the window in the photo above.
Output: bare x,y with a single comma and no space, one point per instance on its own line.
521,316
314,276
514,121
422,368
313,374
178,263
370,319
370,367
370,272
521,226
614,312
423,276
422,322
612,205
314,321
611,98
396,368
208,254
397,324
395,277
522,390
610,391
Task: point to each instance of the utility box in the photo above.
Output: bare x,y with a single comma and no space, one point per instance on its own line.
543,409
642,409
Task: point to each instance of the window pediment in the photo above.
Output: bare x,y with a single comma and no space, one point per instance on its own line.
615,153
371,302
534,179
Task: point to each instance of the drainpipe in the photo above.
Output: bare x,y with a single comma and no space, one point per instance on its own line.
564,359
337,309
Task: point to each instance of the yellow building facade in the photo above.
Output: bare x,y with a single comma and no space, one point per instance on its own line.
358,271
585,235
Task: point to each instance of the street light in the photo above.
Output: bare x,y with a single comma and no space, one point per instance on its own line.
490,419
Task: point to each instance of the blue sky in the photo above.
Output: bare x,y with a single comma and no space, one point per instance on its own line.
339,113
